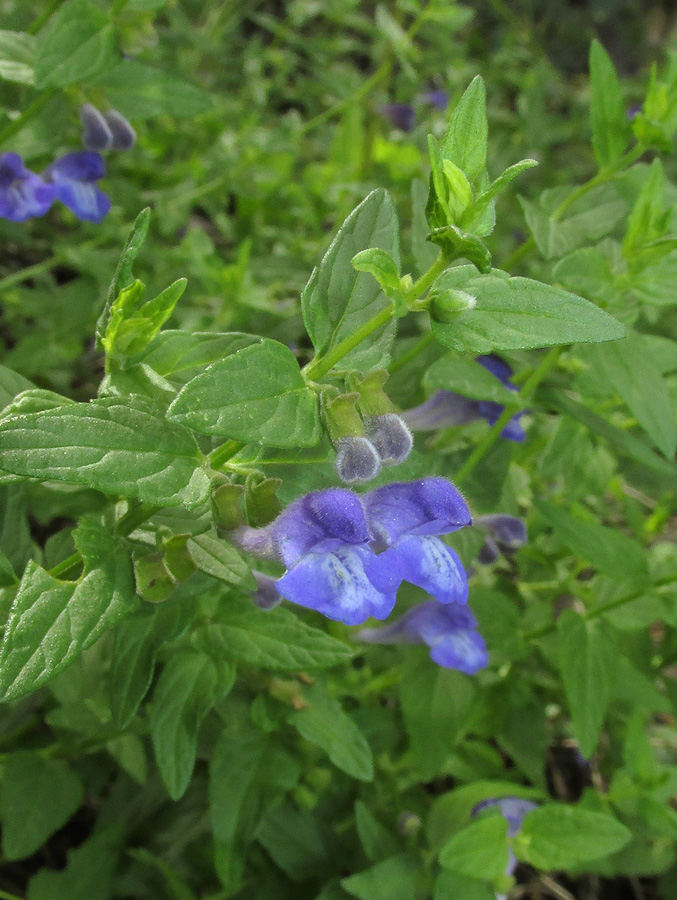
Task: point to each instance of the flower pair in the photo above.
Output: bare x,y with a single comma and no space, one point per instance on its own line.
71,179
446,409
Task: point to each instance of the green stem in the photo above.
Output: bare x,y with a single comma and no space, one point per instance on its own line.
15,278
223,453
20,122
322,364
605,174
490,438
46,14
5,895
598,611
407,357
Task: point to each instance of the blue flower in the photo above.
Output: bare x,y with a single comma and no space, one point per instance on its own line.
346,556
449,631
401,115
505,535
513,810
446,409
435,97
23,194
73,178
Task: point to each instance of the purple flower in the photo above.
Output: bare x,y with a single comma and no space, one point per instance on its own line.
445,409
390,437
122,133
73,178
96,135
23,194
401,115
450,632
346,556
435,97
505,535
513,810
357,460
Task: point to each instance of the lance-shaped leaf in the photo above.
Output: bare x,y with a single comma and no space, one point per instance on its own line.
77,44
611,130
114,447
519,313
51,622
337,299
256,394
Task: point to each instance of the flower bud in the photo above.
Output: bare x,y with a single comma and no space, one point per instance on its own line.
96,132
446,306
123,135
356,460
508,532
390,437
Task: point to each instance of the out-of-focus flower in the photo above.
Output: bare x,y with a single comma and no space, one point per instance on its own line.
23,194
401,115
513,810
96,135
450,631
73,178
124,136
446,409
506,534
435,97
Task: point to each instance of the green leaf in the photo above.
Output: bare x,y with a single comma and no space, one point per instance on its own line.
76,45
111,446
325,724
174,352
610,126
211,554
519,313
587,664
465,141
132,325
628,368
37,797
459,244
647,221
496,187
293,839
607,549
186,691
379,264
451,886
142,92
51,622
274,639
337,300
17,55
132,666
123,277
377,842
256,394
480,850
88,874
454,372
436,704
557,836
11,384
398,878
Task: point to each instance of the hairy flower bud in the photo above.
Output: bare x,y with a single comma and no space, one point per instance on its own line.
123,135
390,437
357,460
96,133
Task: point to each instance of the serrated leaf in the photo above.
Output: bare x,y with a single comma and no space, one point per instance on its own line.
37,797
255,394
518,314
628,368
480,850
587,664
610,125
211,554
557,836
11,384
77,45
185,692
465,141
274,639
609,550
115,447
325,724
51,622
174,352
337,299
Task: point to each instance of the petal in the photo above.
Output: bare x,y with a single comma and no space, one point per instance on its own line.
82,165
514,810
429,506
444,409
513,431
320,520
336,585
85,200
11,168
461,650
431,565
356,460
390,437
498,368
26,198
507,530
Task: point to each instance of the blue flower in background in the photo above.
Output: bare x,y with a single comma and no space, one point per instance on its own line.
401,115
446,409
346,556
73,178
406,518
513,810
23,194
450,631
506,534
435,97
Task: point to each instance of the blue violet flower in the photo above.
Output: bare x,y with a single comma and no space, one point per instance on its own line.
450,632
23,194
73,177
